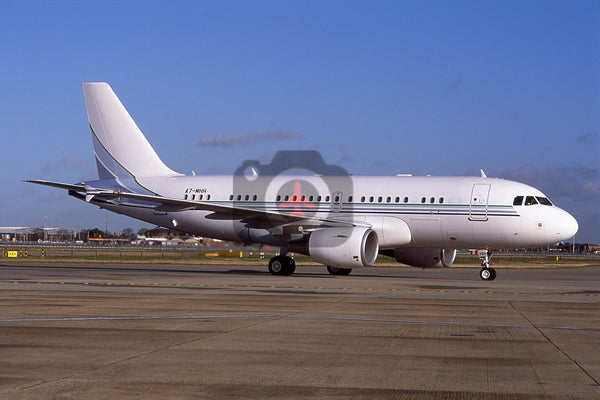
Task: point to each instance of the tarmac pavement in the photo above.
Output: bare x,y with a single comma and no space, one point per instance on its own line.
100,331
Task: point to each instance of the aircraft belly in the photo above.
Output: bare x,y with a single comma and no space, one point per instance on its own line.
427,231
493,233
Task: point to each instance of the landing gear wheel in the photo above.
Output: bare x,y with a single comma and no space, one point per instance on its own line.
487,274
276,265
282,265
291,267
338,270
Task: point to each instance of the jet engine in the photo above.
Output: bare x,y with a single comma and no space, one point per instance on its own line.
345,247
425,258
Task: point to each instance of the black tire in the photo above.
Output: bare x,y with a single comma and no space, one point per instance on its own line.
487,274
277,265
289,267
338,270
282,265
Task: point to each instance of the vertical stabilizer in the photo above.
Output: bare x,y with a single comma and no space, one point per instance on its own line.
120,147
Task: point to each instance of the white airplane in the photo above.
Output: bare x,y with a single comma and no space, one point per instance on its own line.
339,220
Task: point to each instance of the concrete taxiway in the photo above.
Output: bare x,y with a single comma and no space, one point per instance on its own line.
99,331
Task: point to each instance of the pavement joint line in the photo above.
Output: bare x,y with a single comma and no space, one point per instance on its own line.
172,285
296,316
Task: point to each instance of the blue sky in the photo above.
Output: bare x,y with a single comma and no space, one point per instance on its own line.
378,87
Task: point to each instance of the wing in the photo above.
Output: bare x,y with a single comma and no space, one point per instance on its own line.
270,220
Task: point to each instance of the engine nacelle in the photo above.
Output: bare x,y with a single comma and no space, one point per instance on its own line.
425,258
344,247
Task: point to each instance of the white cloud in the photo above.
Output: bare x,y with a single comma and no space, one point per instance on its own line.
237,139
70,161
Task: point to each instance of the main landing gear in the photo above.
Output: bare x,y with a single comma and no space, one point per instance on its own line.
486,273
338,270
282,265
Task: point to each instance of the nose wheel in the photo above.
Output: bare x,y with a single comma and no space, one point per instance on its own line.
486,273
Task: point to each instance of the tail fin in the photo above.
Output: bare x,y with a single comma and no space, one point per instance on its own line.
120,147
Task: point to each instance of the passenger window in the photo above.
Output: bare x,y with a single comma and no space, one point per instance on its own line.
530,200
310,198
287,197
327,199
406,199
193,197
362,199
337,199
208,197
371,199
441,200
389,199
397,199
423,199
239,197
432,200
349,199
185,197
319,199
254,197
230,197
379,199
518,201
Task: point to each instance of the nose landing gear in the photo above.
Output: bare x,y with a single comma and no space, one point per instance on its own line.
486,273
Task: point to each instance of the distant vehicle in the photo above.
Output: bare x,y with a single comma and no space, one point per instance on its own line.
339,220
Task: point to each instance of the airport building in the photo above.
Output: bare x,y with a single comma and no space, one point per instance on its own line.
27,234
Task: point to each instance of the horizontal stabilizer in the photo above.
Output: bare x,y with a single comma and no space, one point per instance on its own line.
66,186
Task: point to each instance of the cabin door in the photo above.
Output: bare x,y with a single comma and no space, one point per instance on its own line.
478,208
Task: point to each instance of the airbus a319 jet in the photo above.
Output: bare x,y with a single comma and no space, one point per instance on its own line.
339,220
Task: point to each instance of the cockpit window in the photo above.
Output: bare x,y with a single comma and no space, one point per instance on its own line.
530,200
518,201
544,201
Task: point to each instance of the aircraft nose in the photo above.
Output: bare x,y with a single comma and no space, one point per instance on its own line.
568,226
